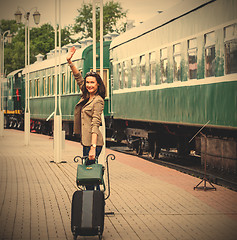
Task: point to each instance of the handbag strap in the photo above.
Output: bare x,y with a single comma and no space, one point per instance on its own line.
89,162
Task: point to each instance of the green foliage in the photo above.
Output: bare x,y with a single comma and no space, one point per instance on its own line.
41,41
11,25
112,20
42,38
12,59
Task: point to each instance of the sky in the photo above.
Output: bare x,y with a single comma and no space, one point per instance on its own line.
138,10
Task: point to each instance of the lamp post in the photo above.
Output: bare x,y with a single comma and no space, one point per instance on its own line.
9,40
57,134
100,2
18,16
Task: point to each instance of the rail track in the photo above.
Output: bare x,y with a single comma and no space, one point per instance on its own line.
189,165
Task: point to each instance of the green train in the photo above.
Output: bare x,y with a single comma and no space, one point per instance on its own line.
175,74
166,80
12,101
42,88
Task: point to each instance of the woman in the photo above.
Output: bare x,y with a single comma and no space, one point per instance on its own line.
87,115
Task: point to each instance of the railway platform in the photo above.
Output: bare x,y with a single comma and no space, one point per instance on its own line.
149,201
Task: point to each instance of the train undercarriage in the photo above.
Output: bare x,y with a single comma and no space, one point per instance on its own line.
15,121
217,147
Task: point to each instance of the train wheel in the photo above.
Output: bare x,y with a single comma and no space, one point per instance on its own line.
155,149
139,149
15,123
10,124
6,122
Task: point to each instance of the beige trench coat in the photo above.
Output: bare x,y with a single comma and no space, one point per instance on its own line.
87,117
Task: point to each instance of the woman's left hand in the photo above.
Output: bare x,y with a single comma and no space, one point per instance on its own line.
92,153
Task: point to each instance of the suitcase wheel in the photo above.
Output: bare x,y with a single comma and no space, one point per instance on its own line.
99,233
74,232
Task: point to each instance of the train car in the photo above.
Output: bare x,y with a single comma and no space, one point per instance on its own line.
42,86
176,74
13,100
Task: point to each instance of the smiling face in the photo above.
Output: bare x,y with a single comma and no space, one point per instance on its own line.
91,85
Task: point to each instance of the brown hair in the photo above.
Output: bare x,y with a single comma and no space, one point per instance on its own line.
101,87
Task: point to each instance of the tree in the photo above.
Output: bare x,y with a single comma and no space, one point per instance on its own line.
12,60
41,41
112,20
9,25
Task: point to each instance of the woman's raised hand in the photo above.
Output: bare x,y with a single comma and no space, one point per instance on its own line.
71,53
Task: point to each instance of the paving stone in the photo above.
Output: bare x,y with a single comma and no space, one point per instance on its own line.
149,201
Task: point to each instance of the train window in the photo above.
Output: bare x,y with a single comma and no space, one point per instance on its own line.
152,67
210,54
177,48
39,90
53,87
75,82
37,87
177,62
9,83
120,75
49,85
111,74
163,65
143,70
72,82
44,86
30,88
192,58
134,72
76,87
230,37
104,78
63,83
125,74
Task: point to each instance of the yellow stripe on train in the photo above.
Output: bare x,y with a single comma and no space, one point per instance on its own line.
12,112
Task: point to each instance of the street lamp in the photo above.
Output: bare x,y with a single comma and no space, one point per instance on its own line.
18,16
9,40
36,17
